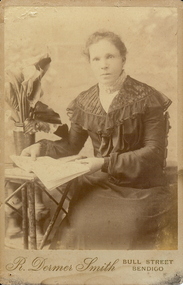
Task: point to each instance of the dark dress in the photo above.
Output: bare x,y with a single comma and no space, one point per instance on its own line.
126,204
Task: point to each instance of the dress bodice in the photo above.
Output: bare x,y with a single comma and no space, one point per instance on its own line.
130,136
122,127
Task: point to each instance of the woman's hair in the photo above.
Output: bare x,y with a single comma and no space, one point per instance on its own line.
111,37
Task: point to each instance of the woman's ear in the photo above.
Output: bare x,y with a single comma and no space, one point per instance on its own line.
123,59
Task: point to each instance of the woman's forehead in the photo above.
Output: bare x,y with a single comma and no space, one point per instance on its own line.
103,46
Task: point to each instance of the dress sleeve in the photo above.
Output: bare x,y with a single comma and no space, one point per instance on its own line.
134,164
71,144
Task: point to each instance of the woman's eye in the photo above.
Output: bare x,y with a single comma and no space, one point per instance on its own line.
96,59
110,56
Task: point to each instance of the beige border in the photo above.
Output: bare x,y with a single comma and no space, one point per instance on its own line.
180,85
122,276
120,3
1,115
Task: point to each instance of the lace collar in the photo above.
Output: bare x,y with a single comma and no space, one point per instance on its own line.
133,98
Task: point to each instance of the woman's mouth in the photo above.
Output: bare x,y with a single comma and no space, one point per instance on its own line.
105,74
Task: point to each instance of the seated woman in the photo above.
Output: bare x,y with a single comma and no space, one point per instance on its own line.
124,202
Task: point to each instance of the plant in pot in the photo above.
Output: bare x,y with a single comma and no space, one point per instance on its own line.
22,92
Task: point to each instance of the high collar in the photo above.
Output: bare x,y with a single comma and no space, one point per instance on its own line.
116,86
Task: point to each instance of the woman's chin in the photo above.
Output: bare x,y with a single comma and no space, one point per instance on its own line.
106,82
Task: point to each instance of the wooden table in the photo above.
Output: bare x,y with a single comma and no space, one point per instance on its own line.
27,182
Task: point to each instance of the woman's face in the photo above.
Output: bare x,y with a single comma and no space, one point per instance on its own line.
106,61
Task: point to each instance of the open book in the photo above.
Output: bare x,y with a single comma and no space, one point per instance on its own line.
52,172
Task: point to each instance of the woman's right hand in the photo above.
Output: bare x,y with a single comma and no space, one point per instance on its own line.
34,151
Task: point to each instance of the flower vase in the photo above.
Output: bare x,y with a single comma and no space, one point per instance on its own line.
22,140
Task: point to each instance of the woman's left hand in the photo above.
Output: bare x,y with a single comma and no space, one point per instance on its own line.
93,163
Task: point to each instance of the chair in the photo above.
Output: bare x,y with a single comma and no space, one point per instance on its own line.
169,236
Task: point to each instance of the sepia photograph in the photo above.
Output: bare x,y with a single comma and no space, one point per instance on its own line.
91,157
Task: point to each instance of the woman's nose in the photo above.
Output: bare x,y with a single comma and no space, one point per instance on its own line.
103,64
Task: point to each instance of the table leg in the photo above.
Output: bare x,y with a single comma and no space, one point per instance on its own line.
32,220
24,217
53,220
13,211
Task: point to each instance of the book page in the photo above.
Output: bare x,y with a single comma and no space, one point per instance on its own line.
51,172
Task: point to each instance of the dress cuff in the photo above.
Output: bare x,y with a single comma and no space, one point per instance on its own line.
62,131
105,165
